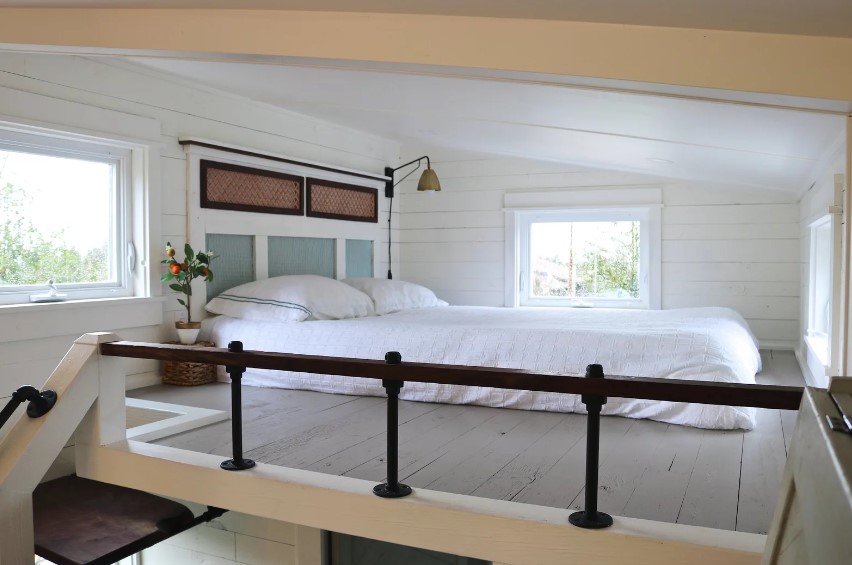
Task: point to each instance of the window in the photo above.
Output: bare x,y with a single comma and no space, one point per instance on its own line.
821,287
584,258
65,218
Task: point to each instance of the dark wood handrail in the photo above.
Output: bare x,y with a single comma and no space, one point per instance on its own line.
702,392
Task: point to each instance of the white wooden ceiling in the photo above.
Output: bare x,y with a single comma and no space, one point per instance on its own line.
671,136
806,17
663,130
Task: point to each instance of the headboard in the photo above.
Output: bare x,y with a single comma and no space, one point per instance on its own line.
237,260
253,246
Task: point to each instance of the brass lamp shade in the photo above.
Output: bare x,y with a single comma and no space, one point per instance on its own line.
429,181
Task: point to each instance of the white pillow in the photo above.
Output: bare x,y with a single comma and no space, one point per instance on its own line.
392,295
292,298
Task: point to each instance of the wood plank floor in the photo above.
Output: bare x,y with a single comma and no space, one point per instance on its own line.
720,479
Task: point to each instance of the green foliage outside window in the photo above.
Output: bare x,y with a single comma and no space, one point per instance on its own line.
31,257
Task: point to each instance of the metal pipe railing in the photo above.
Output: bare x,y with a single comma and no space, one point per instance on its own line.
238,463
593,387
702,392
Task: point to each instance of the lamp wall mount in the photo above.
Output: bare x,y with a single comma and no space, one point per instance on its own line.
428,180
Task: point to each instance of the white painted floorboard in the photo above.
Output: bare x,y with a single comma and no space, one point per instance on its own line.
721,479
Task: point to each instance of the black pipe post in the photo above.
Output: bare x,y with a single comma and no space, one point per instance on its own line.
238,463
590,518
393,488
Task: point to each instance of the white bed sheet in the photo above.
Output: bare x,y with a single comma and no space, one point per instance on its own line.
711,344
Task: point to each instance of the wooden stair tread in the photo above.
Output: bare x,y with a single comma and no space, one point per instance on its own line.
78,521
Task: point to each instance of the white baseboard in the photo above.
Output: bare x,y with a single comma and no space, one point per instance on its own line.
778,345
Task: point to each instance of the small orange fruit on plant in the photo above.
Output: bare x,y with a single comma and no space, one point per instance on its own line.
181,274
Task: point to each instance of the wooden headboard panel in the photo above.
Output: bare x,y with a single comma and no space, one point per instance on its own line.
254,246
237,258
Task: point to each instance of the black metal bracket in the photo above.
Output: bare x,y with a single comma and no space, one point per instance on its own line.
393,488
590,518
40,403
238,463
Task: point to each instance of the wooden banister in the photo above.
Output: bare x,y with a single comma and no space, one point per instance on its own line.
702,392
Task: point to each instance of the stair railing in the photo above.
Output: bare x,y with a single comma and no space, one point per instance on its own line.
40,403
83,383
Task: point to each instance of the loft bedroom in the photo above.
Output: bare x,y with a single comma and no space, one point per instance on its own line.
748,176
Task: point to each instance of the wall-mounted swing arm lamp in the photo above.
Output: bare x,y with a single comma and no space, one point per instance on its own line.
428,180
428,183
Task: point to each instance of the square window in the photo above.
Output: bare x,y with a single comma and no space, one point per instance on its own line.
584,257
64,218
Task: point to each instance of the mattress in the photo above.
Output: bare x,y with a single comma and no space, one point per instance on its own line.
709,344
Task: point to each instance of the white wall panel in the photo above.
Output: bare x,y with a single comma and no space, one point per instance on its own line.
35,338
40,86
732,214
721,246
743,250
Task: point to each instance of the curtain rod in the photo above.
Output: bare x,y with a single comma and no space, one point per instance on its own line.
211,145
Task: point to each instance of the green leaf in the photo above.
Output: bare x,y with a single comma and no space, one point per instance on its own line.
181,276
201,257
181,302
209,276
190,255
167,277
176,287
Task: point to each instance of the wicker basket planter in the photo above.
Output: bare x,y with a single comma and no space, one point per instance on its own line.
182,373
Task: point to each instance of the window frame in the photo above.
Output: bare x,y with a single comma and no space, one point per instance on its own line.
123,253
823,343
526,219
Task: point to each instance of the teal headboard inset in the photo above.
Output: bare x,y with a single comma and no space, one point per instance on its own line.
359,258
301,256
234,262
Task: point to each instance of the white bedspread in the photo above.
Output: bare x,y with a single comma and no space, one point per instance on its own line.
712,344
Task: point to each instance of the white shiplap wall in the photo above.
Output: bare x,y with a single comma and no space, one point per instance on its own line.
35,339
733,247
96,90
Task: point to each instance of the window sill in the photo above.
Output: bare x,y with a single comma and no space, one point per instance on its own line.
74,304
615,305
19,322
818,346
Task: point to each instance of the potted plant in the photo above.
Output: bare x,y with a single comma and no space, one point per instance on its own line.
181,275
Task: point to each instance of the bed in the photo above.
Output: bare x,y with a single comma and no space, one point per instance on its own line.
712,344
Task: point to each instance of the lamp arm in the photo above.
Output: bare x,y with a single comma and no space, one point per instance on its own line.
428,163
389,186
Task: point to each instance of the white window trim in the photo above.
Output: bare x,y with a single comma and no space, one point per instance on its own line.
645,202
824,346
141,167
66,145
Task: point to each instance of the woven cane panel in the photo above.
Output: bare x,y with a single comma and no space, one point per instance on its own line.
232,187
341,201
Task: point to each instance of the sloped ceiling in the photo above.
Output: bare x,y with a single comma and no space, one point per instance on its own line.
672,136
735,138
